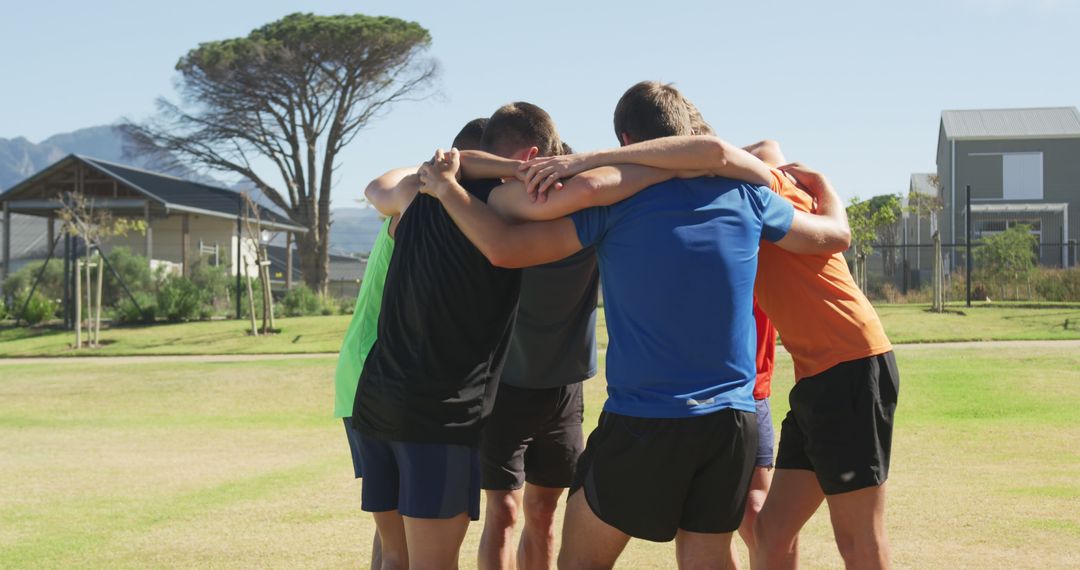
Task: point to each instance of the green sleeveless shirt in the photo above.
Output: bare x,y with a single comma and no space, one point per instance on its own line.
364,325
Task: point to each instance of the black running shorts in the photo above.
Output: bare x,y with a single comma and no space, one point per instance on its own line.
840,424
650,477
534,436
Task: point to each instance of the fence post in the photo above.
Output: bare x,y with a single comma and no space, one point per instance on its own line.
938,279
968,247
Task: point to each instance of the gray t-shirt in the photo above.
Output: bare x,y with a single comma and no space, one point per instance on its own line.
554,339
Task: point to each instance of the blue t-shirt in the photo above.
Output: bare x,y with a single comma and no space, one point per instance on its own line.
677,267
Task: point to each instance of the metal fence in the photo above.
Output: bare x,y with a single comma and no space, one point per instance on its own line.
904,273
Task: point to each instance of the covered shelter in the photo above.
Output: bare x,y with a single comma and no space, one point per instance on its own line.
185,220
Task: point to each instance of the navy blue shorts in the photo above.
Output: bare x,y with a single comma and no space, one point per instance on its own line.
420,480
765,434
354,446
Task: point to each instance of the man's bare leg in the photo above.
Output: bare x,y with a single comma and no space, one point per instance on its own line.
435,543
500,517
588,543
537,547
858,520
697,550
755,499
393,554
376,552
793,497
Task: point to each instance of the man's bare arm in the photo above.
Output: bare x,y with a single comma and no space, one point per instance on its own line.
392,192
707,153
479,164
597,187
825,232
768,151
505,244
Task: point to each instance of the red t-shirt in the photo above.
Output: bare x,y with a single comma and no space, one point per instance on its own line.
766,353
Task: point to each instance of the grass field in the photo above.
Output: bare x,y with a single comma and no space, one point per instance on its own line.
238,465
904,324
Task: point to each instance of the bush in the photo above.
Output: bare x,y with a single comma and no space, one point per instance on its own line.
215,282
302,301
179,299
50,287
135,272
1058,284
3,309
145,312
37,310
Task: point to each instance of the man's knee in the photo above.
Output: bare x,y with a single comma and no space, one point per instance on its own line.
502,510
540,509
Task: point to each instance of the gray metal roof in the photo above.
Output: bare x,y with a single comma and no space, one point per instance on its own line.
171,192
1045,122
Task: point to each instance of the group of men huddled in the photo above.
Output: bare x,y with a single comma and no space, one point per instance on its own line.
475,327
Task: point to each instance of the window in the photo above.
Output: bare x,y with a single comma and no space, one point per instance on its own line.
987,228
1022,176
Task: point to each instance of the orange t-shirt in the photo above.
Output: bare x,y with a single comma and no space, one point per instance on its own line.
822,316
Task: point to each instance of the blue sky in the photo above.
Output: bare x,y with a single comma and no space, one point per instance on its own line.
852,88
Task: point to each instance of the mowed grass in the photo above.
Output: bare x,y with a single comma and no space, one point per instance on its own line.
904,324
239,465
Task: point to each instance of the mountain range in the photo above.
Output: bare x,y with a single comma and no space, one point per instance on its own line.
353,229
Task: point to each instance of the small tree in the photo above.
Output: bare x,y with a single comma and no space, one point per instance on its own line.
253,224
1007,258
867,219
80,219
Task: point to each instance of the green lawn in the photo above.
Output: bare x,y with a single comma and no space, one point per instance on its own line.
904,323
238,465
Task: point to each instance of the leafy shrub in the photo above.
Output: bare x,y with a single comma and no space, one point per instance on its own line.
135,272
180,299
37,310
215,282
144,312
50,287
302,301
3,309
1058,284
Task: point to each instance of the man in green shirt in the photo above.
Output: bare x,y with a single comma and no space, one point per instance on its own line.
361,334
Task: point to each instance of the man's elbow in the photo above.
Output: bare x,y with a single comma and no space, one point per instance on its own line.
371,193
719,152
839,240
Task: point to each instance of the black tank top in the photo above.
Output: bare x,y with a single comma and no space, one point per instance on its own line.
447,315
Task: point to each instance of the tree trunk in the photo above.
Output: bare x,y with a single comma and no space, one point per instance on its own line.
78,303
97,301
89,303
250,296
314,260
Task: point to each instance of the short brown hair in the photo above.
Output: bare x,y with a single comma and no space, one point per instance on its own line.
651,110
698,124
519,125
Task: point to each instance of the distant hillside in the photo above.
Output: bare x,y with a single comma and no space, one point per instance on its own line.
19,158
353,230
